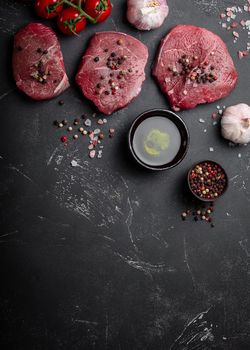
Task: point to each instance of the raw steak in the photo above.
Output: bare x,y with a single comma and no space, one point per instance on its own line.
193,67
112,70
38,62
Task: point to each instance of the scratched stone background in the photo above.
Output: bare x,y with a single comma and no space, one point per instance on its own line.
96,256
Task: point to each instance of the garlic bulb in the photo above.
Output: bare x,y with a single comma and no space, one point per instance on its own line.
235,123
147,14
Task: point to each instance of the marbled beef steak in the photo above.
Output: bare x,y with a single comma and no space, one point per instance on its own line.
193,66
38,62
112,70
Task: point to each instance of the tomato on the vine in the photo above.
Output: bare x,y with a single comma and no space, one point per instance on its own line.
70,21
98,9
48,8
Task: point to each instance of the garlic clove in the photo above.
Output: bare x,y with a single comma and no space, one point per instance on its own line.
147,14
235,123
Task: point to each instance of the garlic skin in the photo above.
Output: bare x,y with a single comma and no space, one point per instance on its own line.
147,14
235,123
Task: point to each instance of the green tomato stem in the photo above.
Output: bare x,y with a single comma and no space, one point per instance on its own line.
82,13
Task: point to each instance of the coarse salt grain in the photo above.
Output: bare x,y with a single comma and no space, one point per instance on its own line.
97,131
74,163
87,122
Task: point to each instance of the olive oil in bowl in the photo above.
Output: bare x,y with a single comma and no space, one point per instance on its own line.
158,139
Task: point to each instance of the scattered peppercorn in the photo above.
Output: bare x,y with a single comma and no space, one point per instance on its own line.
64,139
96,59
61,102
65,122
76,121
193,72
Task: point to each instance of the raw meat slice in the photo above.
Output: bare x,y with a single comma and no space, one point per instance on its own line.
193,66
112,70
37,61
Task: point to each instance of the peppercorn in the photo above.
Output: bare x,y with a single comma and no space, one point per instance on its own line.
96,59
65,122
76,121
61,102
64,139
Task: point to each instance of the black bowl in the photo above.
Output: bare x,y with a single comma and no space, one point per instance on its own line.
181,127
196,195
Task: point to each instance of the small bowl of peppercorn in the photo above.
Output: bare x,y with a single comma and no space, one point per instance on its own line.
207,180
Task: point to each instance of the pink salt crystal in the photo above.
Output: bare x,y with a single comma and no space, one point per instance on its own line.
243,23
234,25
240,54
245,53
222,15
91,135
236,35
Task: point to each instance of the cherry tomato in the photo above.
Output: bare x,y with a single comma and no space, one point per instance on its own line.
70,21
48,8
98,9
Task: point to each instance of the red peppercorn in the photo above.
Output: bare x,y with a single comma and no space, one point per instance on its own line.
64,139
